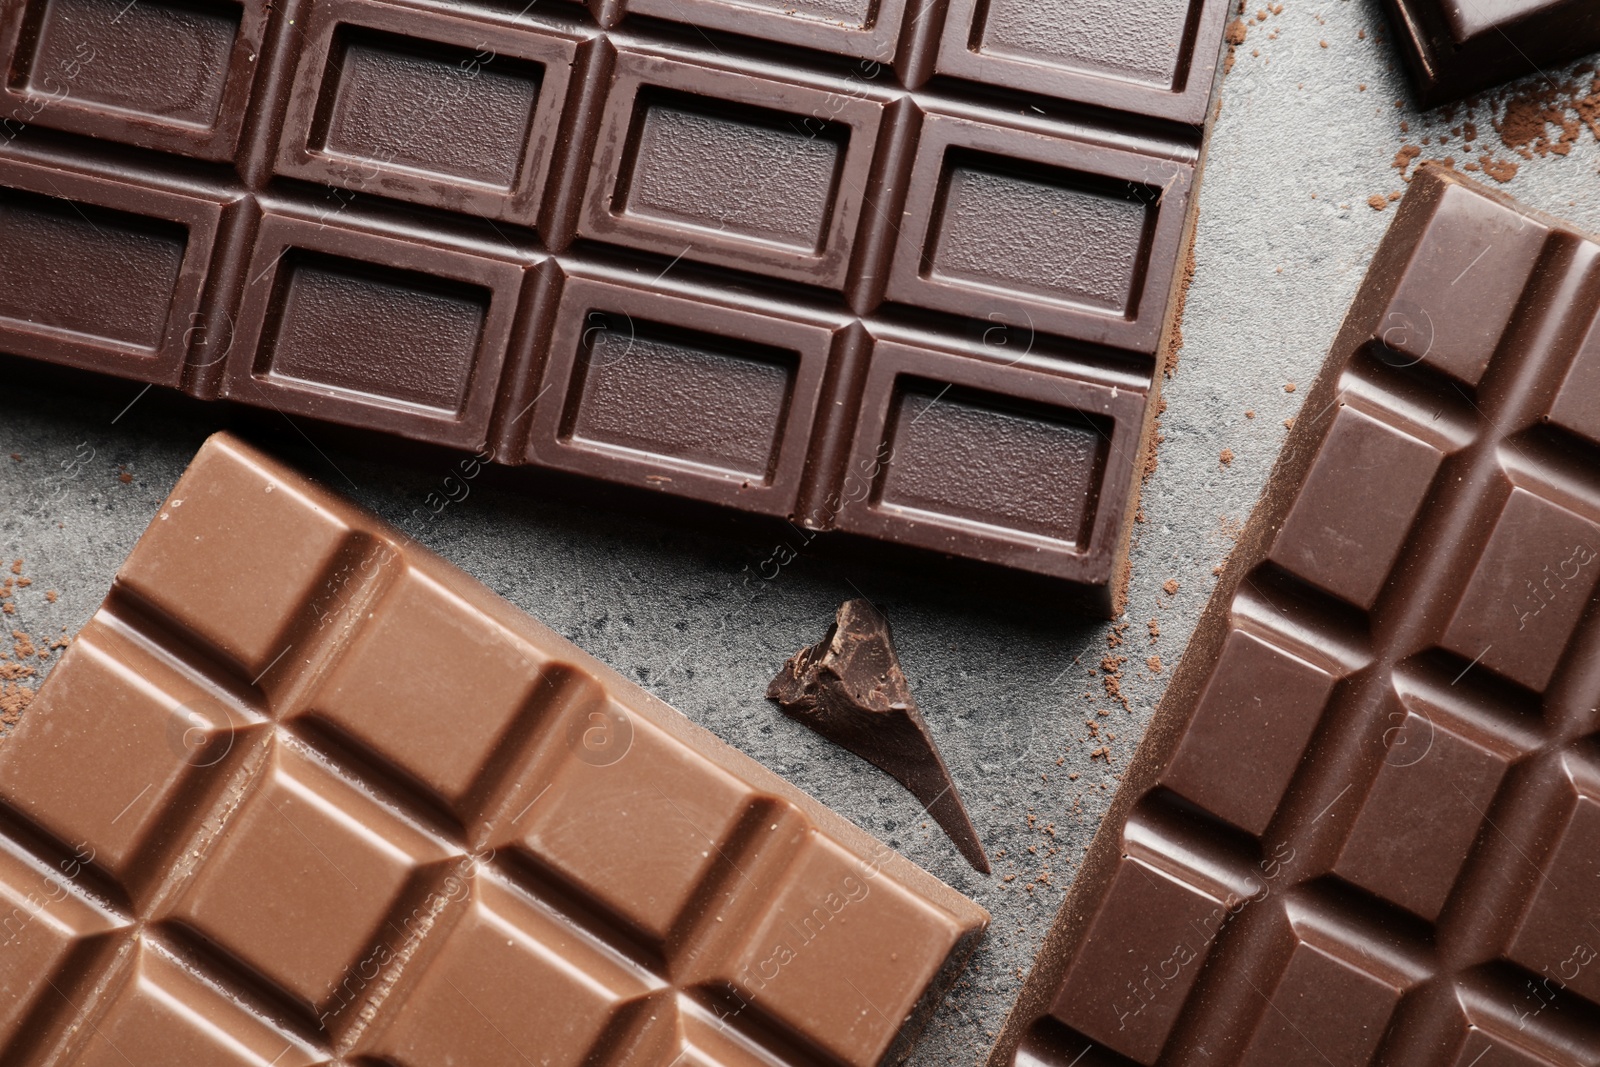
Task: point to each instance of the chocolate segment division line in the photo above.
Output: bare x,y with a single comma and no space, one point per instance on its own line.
668,245
1364,825
303,793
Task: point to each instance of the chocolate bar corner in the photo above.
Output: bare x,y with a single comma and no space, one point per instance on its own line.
1364,824
805,264
302,792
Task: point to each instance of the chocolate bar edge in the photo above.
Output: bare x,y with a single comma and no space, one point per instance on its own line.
1168,346
1093,581
970,918
664,715
1442,73
1279,492
1113,601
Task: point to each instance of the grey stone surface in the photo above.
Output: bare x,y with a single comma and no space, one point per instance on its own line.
686,614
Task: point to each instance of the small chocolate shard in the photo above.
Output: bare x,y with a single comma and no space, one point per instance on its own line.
849,688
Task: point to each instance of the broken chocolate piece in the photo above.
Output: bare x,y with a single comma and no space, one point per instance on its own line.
849,688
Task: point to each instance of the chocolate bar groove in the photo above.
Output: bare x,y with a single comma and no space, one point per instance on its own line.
1362,820
921,186
302,793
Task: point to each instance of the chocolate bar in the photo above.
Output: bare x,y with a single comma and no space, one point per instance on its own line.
301,792
1364,824
1457,47
895,272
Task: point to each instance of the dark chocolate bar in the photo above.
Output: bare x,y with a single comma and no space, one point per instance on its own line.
303,793
1457,47
896,270
1364,826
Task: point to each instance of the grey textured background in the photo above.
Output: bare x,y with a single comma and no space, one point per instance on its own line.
1007,699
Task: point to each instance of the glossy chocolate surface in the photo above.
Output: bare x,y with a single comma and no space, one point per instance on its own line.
1457,47
900,270
303,793
1365,822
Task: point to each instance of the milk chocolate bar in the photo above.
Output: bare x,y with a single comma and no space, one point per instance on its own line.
302,793
1364,826
894,271
1458,47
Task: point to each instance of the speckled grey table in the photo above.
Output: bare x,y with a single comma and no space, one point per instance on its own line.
683,615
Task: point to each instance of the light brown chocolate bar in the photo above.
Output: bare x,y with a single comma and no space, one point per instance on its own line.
301,792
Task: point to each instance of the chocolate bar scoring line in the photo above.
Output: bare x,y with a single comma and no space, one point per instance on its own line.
709,839
584,64
1457,521
1509,840
410,804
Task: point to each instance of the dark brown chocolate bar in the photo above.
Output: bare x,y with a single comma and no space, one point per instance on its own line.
1457,47
303,793
1364,826
900,270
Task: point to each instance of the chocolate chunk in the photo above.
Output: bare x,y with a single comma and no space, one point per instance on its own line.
899,272
849,688
302,793
1364,826
1456,47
